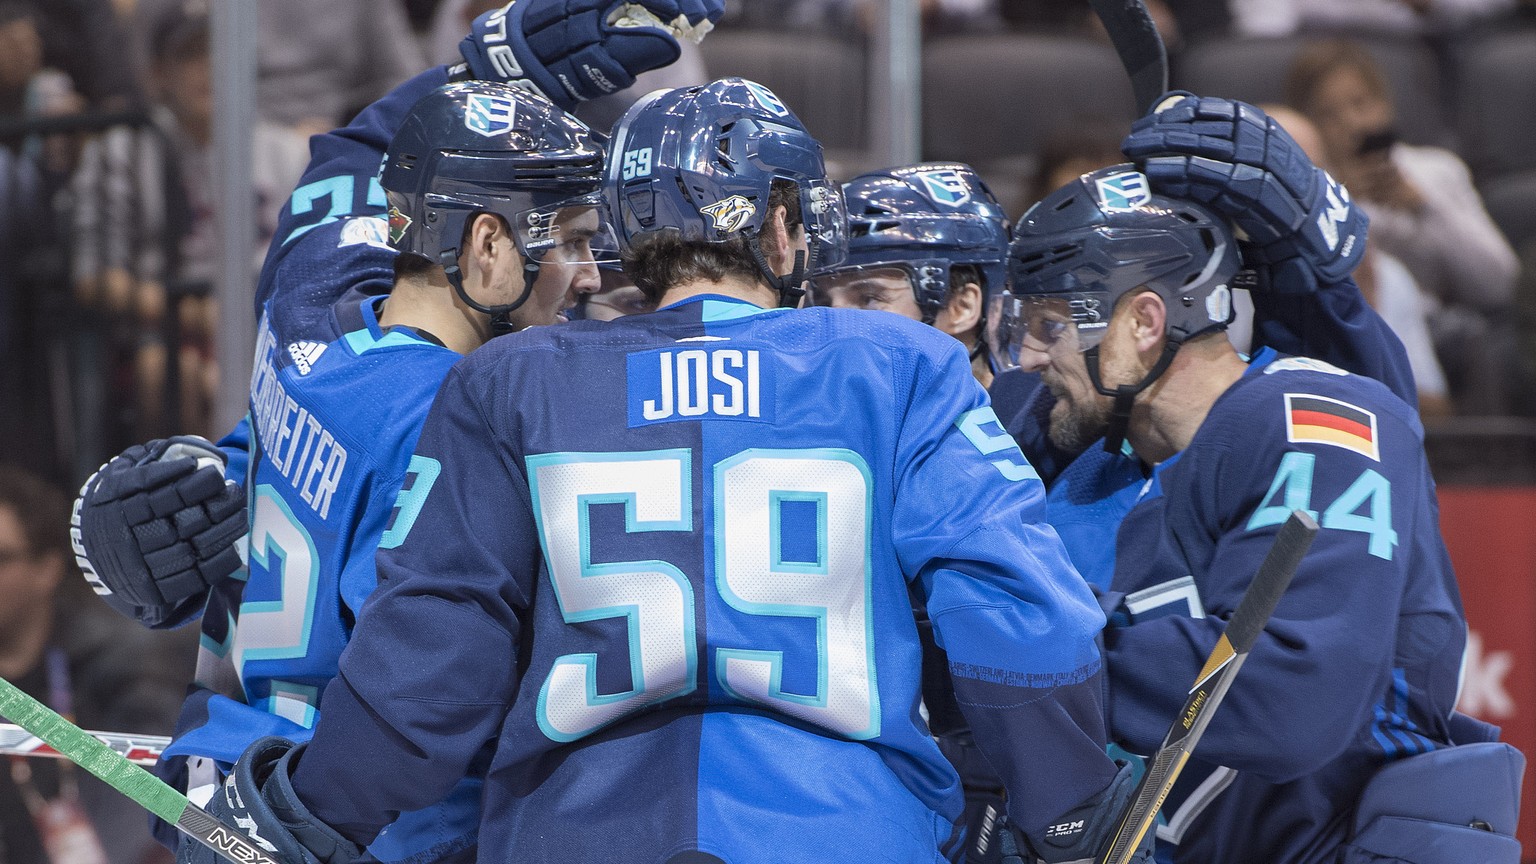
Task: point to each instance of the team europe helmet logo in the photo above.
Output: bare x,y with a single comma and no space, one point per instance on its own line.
946,186
765,98
730,215
489,115
1124,191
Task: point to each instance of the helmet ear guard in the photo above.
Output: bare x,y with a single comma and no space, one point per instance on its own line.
703,162
1107,234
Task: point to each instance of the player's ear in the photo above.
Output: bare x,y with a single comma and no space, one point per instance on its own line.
774,240
485,234
962,309
1148,320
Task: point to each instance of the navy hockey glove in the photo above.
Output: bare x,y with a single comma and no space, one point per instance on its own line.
573,50
156,526
258,798
1235,159
1081,834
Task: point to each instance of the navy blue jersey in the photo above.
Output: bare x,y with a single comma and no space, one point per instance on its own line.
1359,662
667,570
1091,492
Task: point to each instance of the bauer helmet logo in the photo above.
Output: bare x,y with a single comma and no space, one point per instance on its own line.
1119,192
946,186
730,215
765,98
489,115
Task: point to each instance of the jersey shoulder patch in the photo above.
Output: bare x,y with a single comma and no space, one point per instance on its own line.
1316,419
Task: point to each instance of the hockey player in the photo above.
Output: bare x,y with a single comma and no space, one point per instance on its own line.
1121,295
928,242
649,576
491,195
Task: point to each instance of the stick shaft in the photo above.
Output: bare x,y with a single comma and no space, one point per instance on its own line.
147,790
1226,658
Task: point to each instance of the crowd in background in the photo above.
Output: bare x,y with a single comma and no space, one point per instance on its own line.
108,246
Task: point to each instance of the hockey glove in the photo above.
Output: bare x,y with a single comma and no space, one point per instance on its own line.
1235,159
258,798
1081,834
156,526
573,50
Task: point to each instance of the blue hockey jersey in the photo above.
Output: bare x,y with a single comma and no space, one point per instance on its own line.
667,567
336,406
1359,662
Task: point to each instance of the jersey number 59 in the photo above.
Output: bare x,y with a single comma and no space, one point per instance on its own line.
750,490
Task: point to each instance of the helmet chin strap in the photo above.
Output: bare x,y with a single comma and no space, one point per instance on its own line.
790,287
500,323
1125,394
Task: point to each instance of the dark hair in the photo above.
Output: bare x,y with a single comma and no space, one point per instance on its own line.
39,506
1314,63
663,260
960,274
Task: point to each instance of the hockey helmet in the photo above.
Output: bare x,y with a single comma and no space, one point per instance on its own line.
922,220
1078,250
702,160
480,146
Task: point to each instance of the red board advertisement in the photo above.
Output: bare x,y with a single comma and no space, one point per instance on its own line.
1491,535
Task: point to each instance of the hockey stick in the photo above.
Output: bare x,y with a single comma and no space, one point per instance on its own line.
138,749
143,787
1141,49
1258,602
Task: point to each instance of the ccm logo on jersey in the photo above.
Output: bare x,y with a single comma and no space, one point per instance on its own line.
697,383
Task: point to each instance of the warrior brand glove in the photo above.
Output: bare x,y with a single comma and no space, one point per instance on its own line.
258,798
1235,159
573,50
156,526
1082,834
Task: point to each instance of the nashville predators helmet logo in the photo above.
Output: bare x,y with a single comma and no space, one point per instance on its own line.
730,215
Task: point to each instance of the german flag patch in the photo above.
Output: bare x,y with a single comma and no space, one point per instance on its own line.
1320,420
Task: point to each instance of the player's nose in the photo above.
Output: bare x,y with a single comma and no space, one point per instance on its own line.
1032,356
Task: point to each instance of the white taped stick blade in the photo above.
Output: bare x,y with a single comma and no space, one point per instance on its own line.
635,15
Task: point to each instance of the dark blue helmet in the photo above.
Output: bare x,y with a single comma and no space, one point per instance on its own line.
701,161
1102,235
925,219
480,146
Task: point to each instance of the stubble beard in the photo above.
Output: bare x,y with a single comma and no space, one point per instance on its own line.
1075,425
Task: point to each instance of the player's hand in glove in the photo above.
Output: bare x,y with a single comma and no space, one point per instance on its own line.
258,798
156,526
1083,833
574,50
1236,159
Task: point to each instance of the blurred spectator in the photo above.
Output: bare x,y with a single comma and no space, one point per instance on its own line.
84,39
1425,211
1284,17
1386,284
317,63
146,244
61,645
